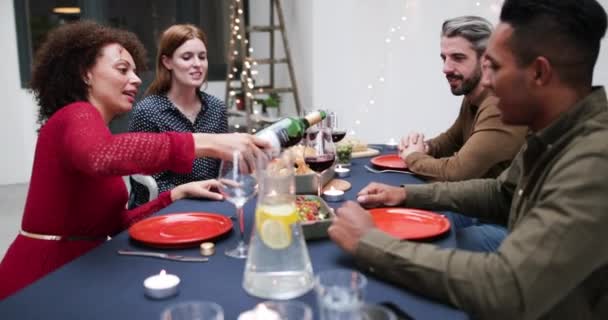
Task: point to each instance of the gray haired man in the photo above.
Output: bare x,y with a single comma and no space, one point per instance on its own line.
478,144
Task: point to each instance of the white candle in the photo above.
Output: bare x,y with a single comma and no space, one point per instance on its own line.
342,172
333,194
392,143
260,312
161,285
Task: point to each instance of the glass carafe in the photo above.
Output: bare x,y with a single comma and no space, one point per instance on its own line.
278,265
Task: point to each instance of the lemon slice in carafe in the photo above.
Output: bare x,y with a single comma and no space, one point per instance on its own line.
274,224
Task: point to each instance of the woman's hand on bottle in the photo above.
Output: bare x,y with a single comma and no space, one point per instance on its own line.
221,146
198,189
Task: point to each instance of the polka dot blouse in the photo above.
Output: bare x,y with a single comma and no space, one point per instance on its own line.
156,113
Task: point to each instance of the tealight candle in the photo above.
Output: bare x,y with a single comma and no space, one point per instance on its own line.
207,248
260,312
161,285
392,143
333,195
342,172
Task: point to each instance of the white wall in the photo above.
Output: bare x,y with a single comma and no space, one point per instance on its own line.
17,110
350,53
338,48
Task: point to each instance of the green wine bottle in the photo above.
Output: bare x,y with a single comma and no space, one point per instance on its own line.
288,131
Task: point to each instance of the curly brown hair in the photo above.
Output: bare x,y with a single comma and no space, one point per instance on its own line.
67,53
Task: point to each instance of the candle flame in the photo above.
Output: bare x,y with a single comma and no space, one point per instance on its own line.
272,193
163,272
332,188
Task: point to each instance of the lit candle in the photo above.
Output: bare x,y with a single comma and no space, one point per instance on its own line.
260,312
333,194
161,285
342,172
392,143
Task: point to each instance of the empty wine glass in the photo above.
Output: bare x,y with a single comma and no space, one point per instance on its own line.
319,153
238,186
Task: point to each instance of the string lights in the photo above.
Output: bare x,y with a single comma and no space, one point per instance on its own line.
239,40
398,32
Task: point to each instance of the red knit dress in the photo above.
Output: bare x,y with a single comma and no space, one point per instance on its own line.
76,189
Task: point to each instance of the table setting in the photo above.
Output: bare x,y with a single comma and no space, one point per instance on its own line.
178,256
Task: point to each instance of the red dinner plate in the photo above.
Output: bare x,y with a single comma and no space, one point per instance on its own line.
410,224
389,161
180,230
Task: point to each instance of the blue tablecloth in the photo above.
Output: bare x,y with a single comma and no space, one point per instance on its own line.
104,285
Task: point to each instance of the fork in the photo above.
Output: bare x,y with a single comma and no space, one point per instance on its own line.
370,169
160,255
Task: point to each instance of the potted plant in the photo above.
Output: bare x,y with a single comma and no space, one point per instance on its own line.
272,104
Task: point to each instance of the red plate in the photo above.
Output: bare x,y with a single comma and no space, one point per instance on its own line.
410,224
389,161
180,230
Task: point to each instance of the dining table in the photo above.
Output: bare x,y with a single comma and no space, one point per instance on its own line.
102,284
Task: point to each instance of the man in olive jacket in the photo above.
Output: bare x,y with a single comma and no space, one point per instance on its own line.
554,197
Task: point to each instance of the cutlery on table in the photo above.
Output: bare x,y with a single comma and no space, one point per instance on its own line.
161,255
370,169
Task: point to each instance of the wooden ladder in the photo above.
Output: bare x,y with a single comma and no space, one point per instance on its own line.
239,58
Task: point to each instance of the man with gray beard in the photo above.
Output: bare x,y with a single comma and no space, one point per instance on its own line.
478,144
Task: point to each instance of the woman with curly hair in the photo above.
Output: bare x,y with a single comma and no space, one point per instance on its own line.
85,75
175,102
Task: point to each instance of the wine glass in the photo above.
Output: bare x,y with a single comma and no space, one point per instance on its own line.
238,186
337,133
319,153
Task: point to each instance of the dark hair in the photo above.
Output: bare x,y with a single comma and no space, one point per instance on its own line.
566,32
67,53
171,39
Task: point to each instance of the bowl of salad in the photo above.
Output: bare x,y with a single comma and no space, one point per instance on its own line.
315,216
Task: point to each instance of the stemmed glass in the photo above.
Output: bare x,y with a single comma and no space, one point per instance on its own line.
238,186
319,153
337,133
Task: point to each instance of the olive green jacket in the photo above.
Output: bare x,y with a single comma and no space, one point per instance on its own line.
554,200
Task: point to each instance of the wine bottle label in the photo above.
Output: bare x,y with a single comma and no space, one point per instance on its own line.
272,138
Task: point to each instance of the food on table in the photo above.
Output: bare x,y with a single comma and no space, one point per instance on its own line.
309,209
358,144
297,153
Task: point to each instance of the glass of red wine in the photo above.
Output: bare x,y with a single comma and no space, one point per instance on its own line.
337,133
319,153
